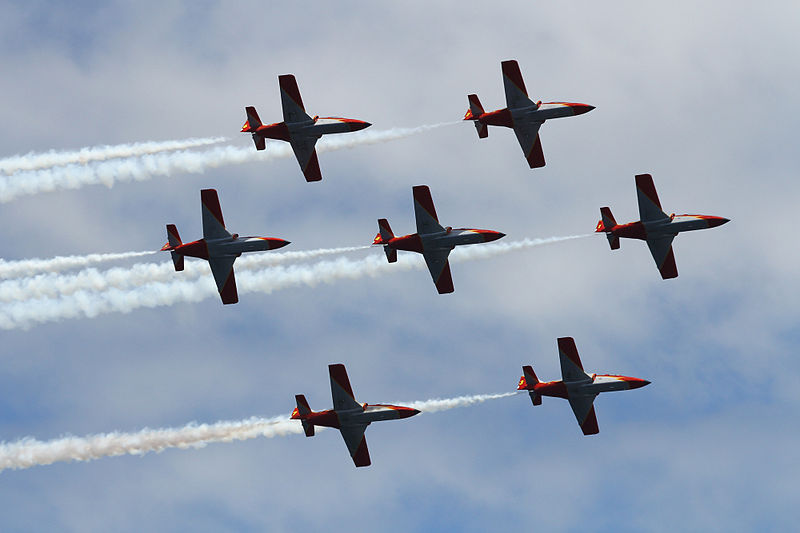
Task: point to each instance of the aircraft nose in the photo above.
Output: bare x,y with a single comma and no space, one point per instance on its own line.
636,383
278,243
580,109
494,235
409,412
717,221
360,125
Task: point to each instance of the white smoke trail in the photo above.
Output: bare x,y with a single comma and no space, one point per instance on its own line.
52,158
165,164
27,267
87,303
29,452
439,404
90,279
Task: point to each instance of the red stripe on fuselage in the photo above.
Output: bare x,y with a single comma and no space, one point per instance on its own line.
555,389
194,249
278,131
633,230
501,117
409,243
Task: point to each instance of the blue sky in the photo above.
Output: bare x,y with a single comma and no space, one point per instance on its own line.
701,97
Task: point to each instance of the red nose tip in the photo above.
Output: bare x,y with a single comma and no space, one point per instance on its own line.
277,243
494,235
717,221
635,383
360,125
580,109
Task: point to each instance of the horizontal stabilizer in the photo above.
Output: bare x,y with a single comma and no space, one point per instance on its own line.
177,260
260,142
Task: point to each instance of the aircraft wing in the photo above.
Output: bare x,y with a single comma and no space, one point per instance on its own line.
425,213
213,224
341,391
293,110
583,407
222,268
516,94
356,444
439,267
307,157
528,137
661,249
649,205
571,366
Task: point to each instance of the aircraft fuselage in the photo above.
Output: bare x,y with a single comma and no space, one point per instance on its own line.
544,111
234,246
443,240
669,226
356,417
316,128
592,385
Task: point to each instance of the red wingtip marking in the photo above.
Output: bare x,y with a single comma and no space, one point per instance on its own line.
312,171
566,345
512,72
338,374
669,269
445,282
589,425
644,182
536,157
422,195
289,85
361,457
210,201
228,293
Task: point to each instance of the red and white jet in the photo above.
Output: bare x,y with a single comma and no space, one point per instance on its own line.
297,128
348,416
656,227
432,240
219,247
576,386
521,113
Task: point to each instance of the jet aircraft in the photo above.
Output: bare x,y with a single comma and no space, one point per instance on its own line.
577,386
297,128
521,114
432,240
655,227
348,416
219,247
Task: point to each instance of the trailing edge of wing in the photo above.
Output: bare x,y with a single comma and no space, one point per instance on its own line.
571,366
439,267
649,204
661,250
292,103
307,157
516,93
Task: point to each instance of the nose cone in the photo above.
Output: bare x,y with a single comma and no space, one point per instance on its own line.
407,412
359,125
277,243
580,109
635,383
713,222
493,236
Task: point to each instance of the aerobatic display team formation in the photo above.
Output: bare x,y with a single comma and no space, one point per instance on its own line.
28,300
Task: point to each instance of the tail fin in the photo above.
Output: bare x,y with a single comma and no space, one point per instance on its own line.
606,224
527,382
476,110
174,240
252,124
385,235
303,409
